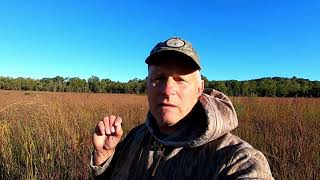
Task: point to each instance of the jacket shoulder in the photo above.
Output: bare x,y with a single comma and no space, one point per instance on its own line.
243,161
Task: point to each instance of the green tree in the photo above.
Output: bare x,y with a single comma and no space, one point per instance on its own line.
94,84
220,86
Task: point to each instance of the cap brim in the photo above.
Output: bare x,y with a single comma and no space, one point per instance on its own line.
158,57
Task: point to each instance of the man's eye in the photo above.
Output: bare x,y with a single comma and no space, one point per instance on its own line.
158,79
180,80
155,81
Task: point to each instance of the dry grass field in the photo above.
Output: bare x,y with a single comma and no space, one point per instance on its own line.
48,135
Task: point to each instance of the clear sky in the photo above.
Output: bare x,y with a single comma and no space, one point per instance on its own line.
236,39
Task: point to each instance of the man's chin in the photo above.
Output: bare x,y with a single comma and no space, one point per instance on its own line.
169,119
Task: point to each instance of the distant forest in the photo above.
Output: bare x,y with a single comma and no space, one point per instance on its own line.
264,87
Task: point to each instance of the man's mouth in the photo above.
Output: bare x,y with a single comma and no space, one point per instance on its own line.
167,105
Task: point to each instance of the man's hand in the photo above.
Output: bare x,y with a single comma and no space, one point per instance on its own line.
105,138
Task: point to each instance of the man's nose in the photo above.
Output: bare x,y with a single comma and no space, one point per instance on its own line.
170,87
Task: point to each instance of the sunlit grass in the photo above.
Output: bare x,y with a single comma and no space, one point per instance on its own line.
48,135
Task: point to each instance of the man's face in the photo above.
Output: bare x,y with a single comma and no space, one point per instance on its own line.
173,90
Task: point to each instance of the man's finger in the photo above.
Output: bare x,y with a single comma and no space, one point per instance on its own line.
100,128
106,125
118,127
118,121
112,119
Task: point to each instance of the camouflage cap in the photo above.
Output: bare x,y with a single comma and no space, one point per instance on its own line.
171,46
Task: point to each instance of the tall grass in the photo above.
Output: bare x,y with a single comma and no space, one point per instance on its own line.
286,130
48,135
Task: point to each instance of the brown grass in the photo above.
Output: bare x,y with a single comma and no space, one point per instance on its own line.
48,135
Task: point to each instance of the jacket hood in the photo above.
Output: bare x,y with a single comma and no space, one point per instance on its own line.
212,117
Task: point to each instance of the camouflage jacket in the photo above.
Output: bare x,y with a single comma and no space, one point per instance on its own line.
202,148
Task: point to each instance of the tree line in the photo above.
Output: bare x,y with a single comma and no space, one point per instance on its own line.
264,87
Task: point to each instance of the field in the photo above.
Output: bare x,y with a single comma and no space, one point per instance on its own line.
48,135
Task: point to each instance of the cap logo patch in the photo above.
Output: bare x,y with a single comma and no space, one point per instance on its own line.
175,43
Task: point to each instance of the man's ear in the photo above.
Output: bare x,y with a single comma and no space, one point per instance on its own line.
200,88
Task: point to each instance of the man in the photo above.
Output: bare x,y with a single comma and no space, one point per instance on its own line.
186,134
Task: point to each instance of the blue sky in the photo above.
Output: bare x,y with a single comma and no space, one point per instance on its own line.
236,39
